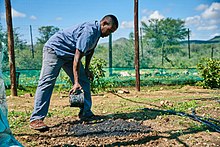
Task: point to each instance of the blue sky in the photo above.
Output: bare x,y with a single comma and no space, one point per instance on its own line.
202,17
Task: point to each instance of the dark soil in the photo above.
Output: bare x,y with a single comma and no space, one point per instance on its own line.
124,121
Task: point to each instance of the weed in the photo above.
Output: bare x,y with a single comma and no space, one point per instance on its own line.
198,127
18,119
183,106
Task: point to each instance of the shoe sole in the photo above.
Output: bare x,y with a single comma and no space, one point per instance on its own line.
42,129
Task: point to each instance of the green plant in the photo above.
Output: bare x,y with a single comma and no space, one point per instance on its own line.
183,106
97,84
96,67
210,71
18,119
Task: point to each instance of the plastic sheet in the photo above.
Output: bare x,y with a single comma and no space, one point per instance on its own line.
6,137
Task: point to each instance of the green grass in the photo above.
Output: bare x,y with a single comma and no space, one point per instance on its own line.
18,119
183,106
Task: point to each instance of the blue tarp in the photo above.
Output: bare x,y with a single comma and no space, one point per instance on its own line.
6,137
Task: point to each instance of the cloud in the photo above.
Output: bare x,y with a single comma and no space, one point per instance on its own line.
17,14
212,12
156,15
207,28
207,23
213,35
152,15
193,20
59,18
14,14
127,24
201,7
145,19
33,17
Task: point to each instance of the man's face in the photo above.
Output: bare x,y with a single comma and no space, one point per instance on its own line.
107,30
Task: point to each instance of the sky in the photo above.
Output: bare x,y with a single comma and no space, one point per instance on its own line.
202,17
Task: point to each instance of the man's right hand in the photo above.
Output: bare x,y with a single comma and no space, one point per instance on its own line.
76,86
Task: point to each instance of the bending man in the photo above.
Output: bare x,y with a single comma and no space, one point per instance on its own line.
65,49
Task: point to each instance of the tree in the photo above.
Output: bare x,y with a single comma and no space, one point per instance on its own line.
169,31
164,32
19,44
3,48
46,32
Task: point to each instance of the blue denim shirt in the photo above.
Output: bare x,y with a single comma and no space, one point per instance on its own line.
83,37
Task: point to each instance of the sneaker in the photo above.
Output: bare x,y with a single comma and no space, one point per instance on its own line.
39,125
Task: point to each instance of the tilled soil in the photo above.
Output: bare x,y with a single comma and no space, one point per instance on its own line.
124,121
108,128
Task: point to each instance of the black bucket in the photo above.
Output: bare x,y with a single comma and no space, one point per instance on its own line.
76,99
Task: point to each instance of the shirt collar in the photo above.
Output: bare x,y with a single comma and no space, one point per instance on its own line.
99,28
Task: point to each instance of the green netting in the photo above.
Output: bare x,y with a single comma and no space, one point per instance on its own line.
120,76
28,77
157,76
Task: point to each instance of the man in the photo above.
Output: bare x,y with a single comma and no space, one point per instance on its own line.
65,49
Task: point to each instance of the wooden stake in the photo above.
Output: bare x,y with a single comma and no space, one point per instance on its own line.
11,48
136,44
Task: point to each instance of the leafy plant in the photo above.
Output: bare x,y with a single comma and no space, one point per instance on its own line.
183,106
96,67
18,119
210,71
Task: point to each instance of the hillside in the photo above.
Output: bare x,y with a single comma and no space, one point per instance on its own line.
215,39
175,56
123,40
120,41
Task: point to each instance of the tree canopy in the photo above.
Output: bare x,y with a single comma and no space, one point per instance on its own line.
169,31
46,32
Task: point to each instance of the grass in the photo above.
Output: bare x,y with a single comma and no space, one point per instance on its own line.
18,120
183,106
22,90
124,107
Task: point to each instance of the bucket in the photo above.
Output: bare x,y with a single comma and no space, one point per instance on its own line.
76,99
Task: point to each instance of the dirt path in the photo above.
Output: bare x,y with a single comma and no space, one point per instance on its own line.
125,122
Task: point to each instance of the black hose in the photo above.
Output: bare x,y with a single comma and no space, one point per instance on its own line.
192,116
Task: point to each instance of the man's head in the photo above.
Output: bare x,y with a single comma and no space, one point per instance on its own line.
109,24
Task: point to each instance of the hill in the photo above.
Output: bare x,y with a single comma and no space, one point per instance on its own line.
215,39
123,41
120,41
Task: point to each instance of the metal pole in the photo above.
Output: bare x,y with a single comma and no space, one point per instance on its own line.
110,54
162,52
189,43
32,46
136,44
212,52
11,48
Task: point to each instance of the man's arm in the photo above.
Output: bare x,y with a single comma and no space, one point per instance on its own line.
88,60
76,68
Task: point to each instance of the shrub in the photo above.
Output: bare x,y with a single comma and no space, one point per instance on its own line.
209,69
96,67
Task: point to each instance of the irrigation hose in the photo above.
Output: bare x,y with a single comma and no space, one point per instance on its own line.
192,116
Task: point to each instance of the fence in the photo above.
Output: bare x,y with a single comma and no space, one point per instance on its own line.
122,76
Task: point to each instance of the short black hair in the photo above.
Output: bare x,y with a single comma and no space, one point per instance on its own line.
113,19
